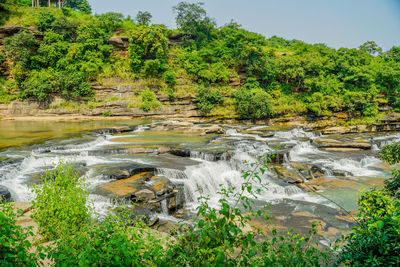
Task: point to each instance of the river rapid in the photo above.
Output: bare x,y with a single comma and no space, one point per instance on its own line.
199,165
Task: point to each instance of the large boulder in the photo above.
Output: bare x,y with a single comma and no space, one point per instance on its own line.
5,194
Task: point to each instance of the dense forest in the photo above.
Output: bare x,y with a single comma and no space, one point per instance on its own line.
63,50
228,68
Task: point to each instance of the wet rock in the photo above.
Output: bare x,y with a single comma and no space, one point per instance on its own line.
214,129
114,130
126,188
160,185
5,195
122,172
187,127
333,143
180,152
288,175
144,195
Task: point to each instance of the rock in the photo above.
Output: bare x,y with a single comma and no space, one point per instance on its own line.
114,130
126,188
144,195
214,129
11,29
288,175
180,152
333,143
122,172
23,206
159,184
5,195
119,42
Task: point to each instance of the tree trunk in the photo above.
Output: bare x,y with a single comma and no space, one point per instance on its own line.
33,3
49,3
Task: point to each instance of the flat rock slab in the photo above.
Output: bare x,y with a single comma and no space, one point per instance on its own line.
333,143
127,187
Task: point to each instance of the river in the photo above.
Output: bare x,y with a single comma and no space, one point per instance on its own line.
332,178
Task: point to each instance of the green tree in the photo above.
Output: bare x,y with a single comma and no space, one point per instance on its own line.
192,19
148,43
143,18
80,5
371,48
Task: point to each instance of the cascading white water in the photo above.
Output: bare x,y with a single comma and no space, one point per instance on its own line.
208,177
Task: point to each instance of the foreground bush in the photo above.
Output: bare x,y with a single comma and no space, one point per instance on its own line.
61,203
375,241
110,242
14,247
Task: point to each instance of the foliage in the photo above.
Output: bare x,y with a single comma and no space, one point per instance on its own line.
14,246
148,43
110,242
61,203
20,48
143,18
375,240
170,78
80,5
253,103
308,78
149,100
207,99
390,153
192,19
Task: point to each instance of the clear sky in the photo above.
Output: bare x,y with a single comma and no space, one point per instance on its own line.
337,23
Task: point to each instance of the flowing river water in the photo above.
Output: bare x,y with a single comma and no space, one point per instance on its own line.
27,149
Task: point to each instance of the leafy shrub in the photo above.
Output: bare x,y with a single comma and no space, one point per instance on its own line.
149,100
207,99
320,104
39,85
391,153
14,246
20,48
154,68
60,203
45,21
170,78
171,94
375,240
253,103
110,242
72,85
107,113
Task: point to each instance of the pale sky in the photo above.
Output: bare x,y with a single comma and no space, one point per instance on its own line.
337,23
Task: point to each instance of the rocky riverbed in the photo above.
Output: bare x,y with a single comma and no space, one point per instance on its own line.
164,166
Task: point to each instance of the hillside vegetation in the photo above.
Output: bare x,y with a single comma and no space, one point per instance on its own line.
229,69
